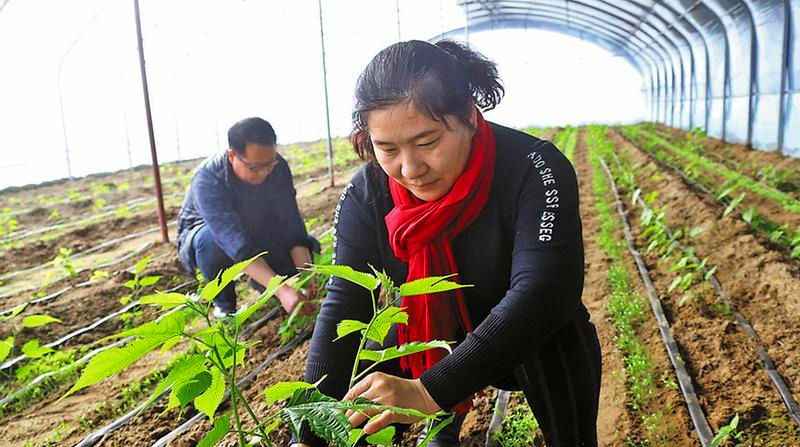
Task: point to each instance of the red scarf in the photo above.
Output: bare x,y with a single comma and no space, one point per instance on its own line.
420,233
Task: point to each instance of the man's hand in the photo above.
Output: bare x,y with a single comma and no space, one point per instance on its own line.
289,298
393,391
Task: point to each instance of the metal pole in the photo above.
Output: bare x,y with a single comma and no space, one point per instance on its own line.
397,6
787,17
127,134
63,122
162,220
325,86
466,14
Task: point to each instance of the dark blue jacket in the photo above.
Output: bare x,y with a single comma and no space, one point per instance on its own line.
244,219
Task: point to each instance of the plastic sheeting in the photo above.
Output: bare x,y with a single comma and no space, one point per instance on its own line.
729,67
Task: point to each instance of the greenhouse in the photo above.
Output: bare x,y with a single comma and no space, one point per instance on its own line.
400,222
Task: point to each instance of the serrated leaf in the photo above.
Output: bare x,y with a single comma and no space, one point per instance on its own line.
166,300
32,349
183,393
405,349
167,327
215,286
5,347
383,323
283,390
383,437
208,402
112,361
222,425
38,320
273,285
182,371
140,266
433,284
149,280
384,279
364,280
347,327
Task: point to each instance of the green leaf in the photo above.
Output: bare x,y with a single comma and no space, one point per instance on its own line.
383,323
385,280
23,372
32,349
635,196
14,312
710,273
38,320
222,425
355,435
695,231
433,284
112,361
212,289
208,402
274,284
140,266
347,327
436,430
182,371
283,390
364,280
5,347
167,327
183,393
170,343
131,284
149,280
731,206
405,349
166,300
383,437
674,284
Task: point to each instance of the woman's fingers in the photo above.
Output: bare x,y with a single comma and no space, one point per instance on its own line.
375,425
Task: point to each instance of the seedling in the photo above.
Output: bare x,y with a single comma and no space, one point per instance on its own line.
138,283
203,377
64,261
730,431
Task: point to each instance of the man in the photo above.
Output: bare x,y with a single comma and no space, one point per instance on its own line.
241,203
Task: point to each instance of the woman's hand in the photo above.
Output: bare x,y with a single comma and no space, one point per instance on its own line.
393,391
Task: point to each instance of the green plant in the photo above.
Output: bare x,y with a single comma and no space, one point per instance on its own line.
99,275
202,378
55,214
726,433
520,428
64,261
7,222
138,283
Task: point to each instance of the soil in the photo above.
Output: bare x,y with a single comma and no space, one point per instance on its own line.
762,284
760,279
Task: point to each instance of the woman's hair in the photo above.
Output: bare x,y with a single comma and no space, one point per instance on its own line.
446,78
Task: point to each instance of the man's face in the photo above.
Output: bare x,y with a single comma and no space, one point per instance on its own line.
256,164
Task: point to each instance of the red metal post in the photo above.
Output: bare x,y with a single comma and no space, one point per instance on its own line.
162,219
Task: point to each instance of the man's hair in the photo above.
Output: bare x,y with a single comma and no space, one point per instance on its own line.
250,130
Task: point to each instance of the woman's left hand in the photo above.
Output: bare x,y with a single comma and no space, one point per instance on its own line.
392,391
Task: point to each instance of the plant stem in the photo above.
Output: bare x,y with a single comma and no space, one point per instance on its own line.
232,382
354,374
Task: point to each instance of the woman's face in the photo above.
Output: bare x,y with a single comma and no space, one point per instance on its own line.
422,154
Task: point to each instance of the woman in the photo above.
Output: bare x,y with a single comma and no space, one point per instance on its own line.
446,192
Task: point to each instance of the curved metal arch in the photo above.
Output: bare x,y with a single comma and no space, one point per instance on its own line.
596,21
619,38
586,19
670,51
609,43
659,60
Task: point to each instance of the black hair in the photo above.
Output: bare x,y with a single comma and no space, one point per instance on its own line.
250,130
446,78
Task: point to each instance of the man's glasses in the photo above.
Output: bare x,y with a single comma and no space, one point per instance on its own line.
258,167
